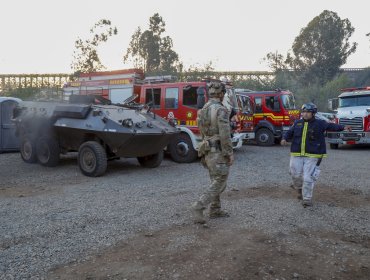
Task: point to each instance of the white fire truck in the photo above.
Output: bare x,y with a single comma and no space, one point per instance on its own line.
353,109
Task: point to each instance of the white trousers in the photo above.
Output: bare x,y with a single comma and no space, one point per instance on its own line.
301,169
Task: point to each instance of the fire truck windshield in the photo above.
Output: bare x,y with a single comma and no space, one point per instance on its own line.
354,101
288,101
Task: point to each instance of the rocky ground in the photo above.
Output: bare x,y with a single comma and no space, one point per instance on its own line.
134,223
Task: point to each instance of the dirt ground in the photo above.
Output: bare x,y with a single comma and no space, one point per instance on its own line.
135,223
214,252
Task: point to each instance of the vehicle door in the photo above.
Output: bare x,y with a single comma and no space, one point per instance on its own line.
272,109
189,105
153,98
246,113
9,141
171,102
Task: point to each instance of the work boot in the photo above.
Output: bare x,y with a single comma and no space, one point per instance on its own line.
307,203
197,211
299,195
217,213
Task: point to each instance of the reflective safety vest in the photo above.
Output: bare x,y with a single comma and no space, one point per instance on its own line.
308,137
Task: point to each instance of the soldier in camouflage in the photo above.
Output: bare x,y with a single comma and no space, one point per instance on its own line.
216,152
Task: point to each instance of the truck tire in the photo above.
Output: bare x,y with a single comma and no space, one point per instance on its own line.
47,151
151,161
265,137
92,159
181,149
334,146
28,149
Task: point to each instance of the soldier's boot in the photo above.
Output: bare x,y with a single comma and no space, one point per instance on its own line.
197,210
215,208
307,203
217,213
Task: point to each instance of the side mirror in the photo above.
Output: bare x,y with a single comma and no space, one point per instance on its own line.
333,104
187,87
201,101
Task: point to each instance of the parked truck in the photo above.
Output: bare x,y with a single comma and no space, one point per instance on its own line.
182,100
117,85
353,109
274,113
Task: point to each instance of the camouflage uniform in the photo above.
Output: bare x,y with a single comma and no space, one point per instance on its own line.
216,151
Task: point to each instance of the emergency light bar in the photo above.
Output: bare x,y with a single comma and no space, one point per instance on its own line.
159,79
355,89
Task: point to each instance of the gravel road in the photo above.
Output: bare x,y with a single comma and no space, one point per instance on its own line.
54,222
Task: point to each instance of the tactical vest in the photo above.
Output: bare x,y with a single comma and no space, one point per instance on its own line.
207,120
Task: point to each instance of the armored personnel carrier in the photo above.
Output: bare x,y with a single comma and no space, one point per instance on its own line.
98,132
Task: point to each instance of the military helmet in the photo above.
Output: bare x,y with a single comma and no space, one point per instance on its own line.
309,107
215,89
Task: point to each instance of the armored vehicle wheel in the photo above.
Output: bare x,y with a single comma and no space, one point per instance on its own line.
265,137
92,159
28,149
181,149
334,146
151,161
48,151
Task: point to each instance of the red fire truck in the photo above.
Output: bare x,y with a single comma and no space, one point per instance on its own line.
181,101
275,112
114,85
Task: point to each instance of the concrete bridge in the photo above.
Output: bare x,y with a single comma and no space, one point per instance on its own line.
14,81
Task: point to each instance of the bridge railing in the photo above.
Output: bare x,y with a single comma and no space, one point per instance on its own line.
15,81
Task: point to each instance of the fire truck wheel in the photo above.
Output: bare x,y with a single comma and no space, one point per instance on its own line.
28,149
181,149
334,146
265,137
92,159
48,151
151,161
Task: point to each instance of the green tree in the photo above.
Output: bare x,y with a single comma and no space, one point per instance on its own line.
321,48
362,78
275,61
85,56
152,51
169,59
284,78
197,72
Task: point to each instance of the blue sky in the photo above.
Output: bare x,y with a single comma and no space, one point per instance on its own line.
38,36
